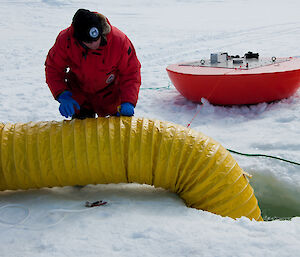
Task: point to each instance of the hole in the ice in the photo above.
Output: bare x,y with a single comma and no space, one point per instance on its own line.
278,199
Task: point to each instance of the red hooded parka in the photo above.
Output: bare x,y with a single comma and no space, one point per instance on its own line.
100,80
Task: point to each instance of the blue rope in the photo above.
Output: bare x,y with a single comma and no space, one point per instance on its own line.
155,88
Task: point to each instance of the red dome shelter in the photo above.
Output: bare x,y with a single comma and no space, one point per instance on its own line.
231,80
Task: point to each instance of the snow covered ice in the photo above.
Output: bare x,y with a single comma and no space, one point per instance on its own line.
138,219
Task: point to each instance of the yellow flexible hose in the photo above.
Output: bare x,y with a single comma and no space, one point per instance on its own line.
126,150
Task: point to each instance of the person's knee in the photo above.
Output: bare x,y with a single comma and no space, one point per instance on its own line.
83,114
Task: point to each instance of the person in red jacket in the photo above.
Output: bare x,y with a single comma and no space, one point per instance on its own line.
93,69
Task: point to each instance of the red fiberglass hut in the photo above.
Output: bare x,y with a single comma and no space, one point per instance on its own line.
234,80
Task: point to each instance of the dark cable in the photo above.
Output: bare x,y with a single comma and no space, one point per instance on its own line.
264,155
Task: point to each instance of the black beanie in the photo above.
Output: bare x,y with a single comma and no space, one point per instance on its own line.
87,26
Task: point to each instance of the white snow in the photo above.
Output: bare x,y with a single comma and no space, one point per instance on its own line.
140,220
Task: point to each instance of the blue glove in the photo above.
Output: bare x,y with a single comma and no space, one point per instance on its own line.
67,103
126,109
